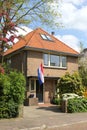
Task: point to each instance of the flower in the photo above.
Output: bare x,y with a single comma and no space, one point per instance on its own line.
2,71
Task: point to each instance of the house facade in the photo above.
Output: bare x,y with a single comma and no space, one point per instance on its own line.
41,47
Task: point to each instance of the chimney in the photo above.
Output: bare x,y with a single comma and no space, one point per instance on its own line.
52,33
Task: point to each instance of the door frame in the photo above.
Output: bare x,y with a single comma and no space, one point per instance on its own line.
34,91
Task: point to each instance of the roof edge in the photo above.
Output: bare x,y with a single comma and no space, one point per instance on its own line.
46,50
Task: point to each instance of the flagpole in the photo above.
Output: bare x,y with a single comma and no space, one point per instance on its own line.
41,77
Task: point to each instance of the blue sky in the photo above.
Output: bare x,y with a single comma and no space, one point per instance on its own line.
74,20
74,17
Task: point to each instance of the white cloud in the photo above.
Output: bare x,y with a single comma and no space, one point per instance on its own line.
73,18
71,41
23,30
74,15
76,2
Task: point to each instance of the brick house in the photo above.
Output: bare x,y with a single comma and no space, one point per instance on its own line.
39,47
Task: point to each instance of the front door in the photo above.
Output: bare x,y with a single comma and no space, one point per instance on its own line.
39,91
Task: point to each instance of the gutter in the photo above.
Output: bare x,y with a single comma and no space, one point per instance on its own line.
42,50
51,51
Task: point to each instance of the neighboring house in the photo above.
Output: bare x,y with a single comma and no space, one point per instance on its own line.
39,47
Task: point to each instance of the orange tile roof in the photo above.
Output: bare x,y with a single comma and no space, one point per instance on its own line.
34,40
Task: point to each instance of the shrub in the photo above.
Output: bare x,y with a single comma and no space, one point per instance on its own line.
2,71
12,93
70,84
8,109
77,105
17,88
56,101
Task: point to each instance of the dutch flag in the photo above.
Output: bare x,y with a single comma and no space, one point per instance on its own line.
40,74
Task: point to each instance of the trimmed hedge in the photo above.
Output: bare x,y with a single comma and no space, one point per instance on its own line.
12,93
8,109
77,105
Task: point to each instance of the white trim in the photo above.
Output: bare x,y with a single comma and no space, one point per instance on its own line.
55,67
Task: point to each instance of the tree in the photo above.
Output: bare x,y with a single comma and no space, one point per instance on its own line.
13,13
83,67
83,71
81,46
70,84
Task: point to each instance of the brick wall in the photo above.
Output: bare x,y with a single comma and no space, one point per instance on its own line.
49,90
35,58
30,65
18,62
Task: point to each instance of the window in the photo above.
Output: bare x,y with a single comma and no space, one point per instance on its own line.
55,60
63,61
46,59
46,37
49,38
32,84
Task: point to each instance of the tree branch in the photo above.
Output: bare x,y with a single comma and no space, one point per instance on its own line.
17,10
35,6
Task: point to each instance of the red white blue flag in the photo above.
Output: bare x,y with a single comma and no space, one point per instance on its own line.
40,74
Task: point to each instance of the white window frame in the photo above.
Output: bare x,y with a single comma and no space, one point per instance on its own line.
60,60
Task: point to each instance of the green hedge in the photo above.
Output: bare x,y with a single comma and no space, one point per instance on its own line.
8,109
77,105
12,94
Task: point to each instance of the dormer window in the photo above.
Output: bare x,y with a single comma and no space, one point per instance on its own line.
43,36
49,38
46,37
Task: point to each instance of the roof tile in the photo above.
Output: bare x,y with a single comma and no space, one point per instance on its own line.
34,40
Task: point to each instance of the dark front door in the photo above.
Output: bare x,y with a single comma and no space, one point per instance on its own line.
39,91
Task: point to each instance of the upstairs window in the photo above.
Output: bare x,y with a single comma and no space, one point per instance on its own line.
46,37
49,38
43,36
55,61
63,61
46,59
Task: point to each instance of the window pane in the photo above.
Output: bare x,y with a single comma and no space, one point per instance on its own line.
49,38
46,59
63,61
54,60
32,84
44,36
